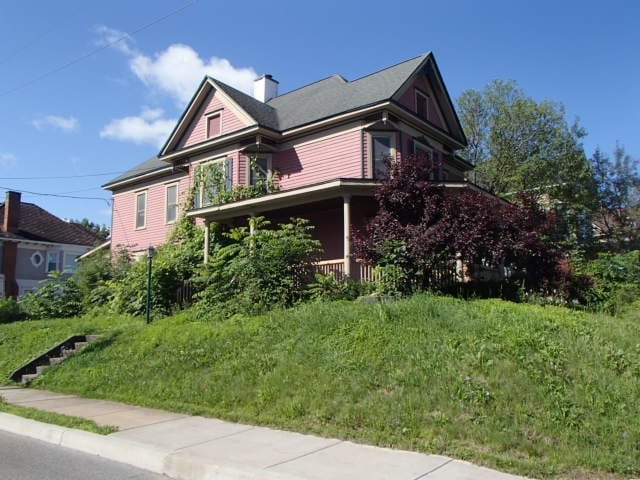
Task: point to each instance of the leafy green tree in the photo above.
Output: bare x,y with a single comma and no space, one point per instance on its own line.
100,230
617,215
520,145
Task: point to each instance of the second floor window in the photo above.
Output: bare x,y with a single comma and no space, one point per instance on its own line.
172,203
260,169
383,146
141,209
211,178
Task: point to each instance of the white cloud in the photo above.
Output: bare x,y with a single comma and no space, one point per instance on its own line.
67,124
177,70
146,128
7,159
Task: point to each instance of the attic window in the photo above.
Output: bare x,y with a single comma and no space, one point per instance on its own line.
214,125
422,105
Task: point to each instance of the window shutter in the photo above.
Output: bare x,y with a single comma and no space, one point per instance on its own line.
228,173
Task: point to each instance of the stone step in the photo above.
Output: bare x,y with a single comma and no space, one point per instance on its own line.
80,345
41,368
55,360
92,338
66,353
29,377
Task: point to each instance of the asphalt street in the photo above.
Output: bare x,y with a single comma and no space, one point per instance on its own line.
23,458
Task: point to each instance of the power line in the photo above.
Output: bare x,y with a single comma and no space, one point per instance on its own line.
57,195
96,50
62,176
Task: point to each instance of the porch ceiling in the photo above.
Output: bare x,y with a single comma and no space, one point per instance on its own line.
289,198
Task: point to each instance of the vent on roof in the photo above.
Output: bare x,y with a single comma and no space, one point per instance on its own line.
265,88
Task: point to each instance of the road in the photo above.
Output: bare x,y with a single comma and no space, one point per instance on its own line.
23,458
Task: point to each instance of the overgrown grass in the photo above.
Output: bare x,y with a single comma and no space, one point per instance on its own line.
55,418
541,391
22,341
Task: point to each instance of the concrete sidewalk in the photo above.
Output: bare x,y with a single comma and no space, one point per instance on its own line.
197,448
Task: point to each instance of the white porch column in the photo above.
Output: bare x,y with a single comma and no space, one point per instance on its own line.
206,241
346,199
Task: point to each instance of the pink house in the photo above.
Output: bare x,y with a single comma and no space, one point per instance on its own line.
324,144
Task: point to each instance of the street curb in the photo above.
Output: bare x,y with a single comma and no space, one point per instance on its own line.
163,461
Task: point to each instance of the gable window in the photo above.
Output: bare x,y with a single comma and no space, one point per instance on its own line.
171,212
214,125
383,151
422,105
70,264
53,258
260,169
211,177
141,209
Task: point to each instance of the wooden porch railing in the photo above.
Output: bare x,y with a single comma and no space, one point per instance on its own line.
335,267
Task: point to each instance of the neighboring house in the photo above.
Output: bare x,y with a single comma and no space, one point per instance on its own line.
325,145
34,243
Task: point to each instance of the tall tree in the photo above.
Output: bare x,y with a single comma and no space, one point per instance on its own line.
100,230
617,215
521,145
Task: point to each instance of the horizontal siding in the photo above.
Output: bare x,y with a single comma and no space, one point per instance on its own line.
197,131
324,159
408,99
156,231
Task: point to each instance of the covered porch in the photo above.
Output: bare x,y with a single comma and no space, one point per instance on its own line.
334,208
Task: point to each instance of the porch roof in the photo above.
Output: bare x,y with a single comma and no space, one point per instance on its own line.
287,198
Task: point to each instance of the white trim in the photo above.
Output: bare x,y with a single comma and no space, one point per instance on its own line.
64,261
167,186
210,143
95,249
144,192
35,263
201,163
137,178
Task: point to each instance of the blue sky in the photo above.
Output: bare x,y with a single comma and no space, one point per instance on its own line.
110,110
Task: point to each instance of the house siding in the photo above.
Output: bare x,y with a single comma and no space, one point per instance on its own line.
197,131
408,99
324,159
156,230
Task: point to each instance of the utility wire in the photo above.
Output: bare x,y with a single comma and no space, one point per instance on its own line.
40,194
96,50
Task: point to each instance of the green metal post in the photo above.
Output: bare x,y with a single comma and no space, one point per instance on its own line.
150,252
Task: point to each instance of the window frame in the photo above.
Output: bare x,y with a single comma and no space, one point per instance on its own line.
64,262
269,159
200,191
166,201
135,220
392,150
425,96
209,116
53,255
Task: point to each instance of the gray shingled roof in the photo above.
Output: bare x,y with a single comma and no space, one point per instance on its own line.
148,166
334,95
325,98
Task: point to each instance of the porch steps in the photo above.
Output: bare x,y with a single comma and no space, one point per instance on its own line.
54,356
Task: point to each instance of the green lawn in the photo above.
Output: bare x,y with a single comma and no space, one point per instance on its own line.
540,391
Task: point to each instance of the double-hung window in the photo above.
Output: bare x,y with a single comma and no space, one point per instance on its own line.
172,203
141,209
383,152
53,259
70,264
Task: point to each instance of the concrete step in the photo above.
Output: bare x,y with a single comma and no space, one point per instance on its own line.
92,338
41,368
29,377
55,360
66,353
80,345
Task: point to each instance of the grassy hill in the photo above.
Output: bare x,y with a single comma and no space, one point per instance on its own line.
541,391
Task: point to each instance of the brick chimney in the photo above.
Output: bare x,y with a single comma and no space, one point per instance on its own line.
11,212
10,224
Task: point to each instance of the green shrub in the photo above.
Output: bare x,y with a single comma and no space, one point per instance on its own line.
59,296
10,310
96,276
259,271
328,288
173,264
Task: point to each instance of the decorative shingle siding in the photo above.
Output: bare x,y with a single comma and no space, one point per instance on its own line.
319,160
197,131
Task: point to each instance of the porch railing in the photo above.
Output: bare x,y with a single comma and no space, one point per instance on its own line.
335,267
